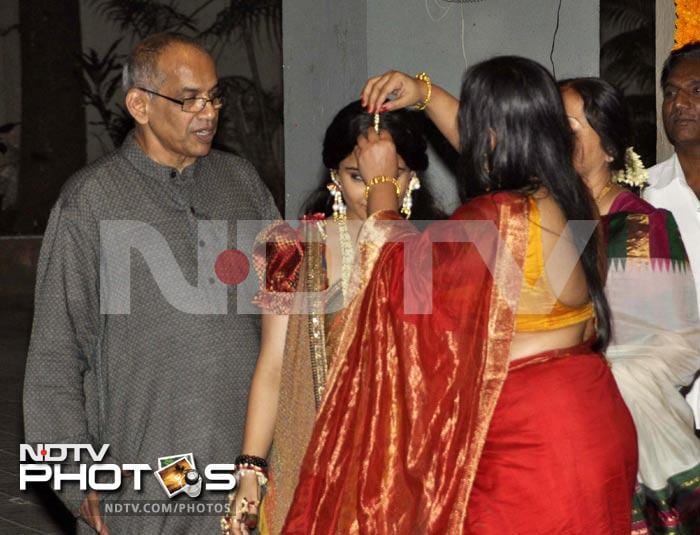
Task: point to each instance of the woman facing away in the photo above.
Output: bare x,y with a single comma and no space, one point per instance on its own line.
467,394
656,344
306,272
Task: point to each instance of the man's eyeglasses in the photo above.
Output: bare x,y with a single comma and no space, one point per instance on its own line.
191,104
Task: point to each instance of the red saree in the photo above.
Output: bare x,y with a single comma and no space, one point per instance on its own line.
560,454
410,397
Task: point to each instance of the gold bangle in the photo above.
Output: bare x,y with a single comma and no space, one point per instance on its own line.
425,77
381,179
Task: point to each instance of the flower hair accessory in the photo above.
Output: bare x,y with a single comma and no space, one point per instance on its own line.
634,174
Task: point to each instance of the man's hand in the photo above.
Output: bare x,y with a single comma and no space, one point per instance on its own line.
90,512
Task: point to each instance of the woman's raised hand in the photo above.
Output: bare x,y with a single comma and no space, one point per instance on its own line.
405,90
376,155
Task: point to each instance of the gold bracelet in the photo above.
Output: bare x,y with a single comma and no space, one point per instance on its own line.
381,179
425,77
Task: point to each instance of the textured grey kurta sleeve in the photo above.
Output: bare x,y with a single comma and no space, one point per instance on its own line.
266,204
64,334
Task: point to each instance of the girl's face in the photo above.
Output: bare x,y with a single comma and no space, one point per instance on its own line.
353,187
590,156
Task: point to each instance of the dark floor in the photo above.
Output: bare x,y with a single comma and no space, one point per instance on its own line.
36,510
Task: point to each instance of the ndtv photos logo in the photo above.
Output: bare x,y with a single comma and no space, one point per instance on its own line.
58,464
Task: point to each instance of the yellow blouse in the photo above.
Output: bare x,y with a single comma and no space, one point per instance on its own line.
539,309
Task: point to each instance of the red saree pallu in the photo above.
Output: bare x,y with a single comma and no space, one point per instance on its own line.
557,457
411,397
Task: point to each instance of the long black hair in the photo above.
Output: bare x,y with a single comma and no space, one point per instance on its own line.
687,51
341,138
514,135
606,112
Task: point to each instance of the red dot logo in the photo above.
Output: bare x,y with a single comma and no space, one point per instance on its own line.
43,453
232,267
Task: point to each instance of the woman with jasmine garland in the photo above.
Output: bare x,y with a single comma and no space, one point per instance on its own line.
656,344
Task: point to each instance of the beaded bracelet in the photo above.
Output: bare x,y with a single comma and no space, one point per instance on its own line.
425,77
381,179
246,468
259,474
251,460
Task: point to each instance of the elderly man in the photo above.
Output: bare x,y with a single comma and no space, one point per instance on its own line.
141,352
675,183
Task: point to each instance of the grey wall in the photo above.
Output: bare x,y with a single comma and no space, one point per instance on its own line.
324,58
332,46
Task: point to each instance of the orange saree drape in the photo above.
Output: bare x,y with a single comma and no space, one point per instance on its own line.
409,398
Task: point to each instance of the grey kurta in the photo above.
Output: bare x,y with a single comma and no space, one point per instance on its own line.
156,381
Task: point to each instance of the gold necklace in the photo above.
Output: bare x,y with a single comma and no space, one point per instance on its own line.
347,254
603,192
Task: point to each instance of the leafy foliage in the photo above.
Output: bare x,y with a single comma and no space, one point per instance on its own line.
627,15
144,17
255,17
101,79
240,129
627,60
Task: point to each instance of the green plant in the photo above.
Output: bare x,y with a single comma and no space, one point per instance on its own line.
144,17
101,79
248,22
627,60
240,129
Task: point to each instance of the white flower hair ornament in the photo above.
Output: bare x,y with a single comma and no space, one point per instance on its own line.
634,174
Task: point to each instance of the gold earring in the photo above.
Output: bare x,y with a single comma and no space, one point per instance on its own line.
339,208
407,203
